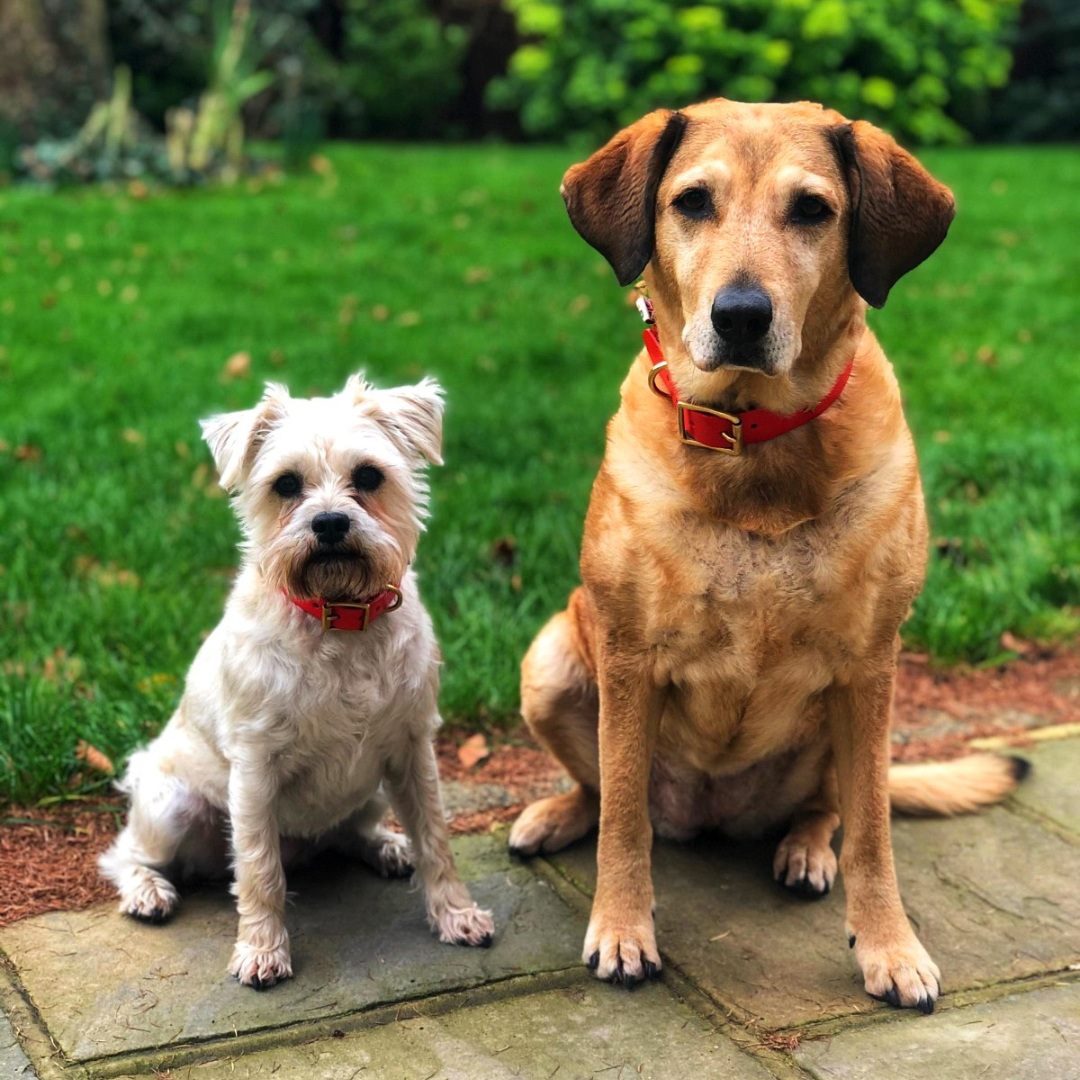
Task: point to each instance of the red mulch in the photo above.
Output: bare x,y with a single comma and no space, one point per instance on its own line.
50,864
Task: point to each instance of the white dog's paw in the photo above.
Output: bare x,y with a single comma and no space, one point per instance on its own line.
150,898
464,926
260,968
393,858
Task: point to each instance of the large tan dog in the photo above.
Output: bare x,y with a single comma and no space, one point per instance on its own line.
730,658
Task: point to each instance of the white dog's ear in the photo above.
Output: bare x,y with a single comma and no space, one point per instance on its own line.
412,416
234,438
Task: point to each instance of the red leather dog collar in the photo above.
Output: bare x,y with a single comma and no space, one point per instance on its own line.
729,432
348,616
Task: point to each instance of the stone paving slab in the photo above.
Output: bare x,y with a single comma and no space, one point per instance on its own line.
579,1033
1053,788
104,984
993,897
1032,1036
14,1064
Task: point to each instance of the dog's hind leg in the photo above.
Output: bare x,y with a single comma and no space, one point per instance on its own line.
805,862
412,781
561,705
163,810
363,836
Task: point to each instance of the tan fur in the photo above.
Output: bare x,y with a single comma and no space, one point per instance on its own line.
729,660
944,788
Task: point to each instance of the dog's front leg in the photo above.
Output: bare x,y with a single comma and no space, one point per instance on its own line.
895,966
621,940
261,956
412,780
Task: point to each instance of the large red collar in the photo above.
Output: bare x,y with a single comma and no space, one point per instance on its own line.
351,616
729,432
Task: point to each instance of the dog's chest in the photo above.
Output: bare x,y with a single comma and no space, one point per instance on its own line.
328,726
747,632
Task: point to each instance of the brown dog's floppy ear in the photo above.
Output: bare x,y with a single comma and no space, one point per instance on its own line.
611,197
899,212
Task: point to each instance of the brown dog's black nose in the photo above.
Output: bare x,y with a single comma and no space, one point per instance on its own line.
330,526
742,313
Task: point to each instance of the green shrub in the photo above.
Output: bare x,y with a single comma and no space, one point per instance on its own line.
920,67
398,69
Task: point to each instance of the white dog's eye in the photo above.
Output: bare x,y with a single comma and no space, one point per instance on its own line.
288,485
366,478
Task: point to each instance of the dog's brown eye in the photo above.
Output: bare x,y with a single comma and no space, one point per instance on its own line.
694,201
366,478
809,210
288,485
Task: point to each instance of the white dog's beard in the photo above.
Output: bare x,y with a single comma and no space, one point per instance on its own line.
345,572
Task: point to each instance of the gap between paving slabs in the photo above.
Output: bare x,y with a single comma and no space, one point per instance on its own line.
775,964
993,896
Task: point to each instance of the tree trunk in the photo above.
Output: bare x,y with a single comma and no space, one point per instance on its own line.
54,64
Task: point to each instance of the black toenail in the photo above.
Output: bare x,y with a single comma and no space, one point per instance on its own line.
594,960
651,969
486,940
256,983
925,1005
892,997
851,941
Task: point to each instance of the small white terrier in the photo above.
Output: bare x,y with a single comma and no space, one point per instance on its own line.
297,713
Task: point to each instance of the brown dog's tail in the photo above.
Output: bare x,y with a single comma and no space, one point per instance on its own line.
945,788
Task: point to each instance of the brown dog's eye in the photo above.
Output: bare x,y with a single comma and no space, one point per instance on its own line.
366,478
809,210
288,485
695,202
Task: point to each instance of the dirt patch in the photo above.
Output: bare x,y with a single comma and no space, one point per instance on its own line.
49,856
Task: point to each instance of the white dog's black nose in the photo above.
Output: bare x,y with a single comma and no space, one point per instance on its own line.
742,313
330,526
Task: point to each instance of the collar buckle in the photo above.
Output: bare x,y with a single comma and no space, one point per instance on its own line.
330,616
733,438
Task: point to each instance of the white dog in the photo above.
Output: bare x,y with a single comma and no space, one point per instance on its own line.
318,688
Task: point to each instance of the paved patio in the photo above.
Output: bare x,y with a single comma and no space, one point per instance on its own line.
757,984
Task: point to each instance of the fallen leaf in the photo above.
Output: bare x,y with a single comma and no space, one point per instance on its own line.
94,758
238,366
474,749
1011,643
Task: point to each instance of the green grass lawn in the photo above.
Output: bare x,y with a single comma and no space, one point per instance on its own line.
118,316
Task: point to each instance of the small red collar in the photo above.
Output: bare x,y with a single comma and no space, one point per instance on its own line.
729,432
347,616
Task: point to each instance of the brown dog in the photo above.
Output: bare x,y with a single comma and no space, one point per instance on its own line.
729,661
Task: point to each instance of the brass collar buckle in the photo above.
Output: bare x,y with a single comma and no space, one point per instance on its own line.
734,437
331,616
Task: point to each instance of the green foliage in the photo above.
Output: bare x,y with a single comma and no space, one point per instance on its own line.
118,317
398,69
919,67
1042,99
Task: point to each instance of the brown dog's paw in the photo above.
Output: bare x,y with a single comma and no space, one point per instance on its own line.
900,973
622,954
550,824
260,968
805,866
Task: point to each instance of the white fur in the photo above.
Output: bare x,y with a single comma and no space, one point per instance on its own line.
289,735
